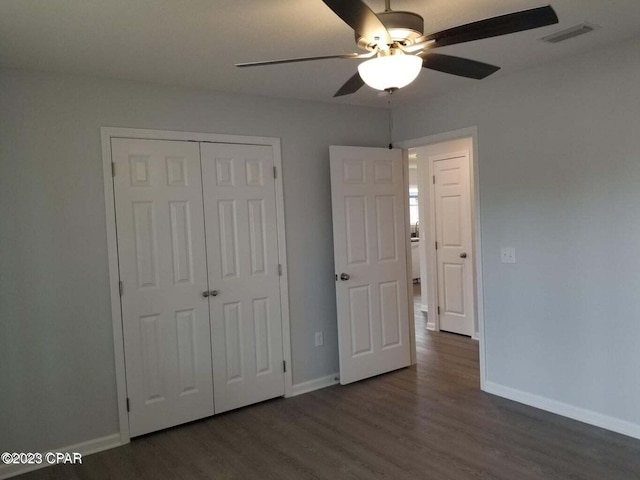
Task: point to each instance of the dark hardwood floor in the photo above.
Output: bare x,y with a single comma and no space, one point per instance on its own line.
430,421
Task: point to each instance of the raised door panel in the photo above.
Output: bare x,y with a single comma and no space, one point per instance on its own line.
160,226
242,254
228,234
257,237
145,244
390,314
453,288
451,221
181,245
233,328
356,230
385,228
262,333
187,349
360,320
153,362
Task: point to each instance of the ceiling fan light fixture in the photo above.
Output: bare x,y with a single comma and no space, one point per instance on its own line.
390,72
397,39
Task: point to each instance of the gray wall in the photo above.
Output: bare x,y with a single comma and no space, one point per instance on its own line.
559,165
57,379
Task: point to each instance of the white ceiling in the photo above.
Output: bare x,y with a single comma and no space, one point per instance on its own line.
195,43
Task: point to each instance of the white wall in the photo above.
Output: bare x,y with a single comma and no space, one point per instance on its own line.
559,166
57,380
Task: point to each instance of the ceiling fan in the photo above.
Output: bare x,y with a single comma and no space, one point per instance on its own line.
397,47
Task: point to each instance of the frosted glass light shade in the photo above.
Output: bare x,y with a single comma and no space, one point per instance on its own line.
390,72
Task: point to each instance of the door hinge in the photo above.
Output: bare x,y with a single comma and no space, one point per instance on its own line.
128,408
434,179
279,269
436,245
284,365
121,287
113,169
275,172
438,309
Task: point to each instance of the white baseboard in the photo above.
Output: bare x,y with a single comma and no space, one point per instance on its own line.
475,336
85,448
431,326
315,384
576,413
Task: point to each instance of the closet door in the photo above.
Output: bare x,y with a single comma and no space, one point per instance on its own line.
242,254
162,261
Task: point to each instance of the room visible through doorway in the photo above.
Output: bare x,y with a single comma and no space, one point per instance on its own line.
442,189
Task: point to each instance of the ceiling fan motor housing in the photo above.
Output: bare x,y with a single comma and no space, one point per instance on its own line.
404,28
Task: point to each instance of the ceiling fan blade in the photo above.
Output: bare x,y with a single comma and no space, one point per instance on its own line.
457,66
351,86
361,18
300,59
493,27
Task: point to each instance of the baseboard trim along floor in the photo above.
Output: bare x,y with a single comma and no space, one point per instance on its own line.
112,441
315,384
84,448
559,408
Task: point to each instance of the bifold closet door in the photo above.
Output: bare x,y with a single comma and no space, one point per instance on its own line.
242,256
162,261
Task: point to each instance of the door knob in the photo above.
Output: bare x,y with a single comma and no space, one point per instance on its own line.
463,255
344,277
205,294
214,293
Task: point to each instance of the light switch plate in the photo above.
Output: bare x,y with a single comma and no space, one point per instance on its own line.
319,339
508,255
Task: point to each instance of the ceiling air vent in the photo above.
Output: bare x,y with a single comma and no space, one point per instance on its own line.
568,33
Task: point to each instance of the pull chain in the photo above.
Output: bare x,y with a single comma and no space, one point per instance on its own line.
390,121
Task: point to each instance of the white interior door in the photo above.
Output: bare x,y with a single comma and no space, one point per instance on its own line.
454,243
242,253
162,262
369,236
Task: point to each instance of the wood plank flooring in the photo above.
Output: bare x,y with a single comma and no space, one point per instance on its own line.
430,421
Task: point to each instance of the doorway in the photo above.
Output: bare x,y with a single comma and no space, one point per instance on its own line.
444,178
455,156
417,270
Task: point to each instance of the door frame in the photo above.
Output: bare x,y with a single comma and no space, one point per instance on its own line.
476,231
407,222
106,134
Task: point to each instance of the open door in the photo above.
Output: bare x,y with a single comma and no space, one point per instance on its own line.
369,237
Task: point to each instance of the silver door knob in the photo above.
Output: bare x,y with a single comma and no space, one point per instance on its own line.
214,293
205,294
463,255
344,277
